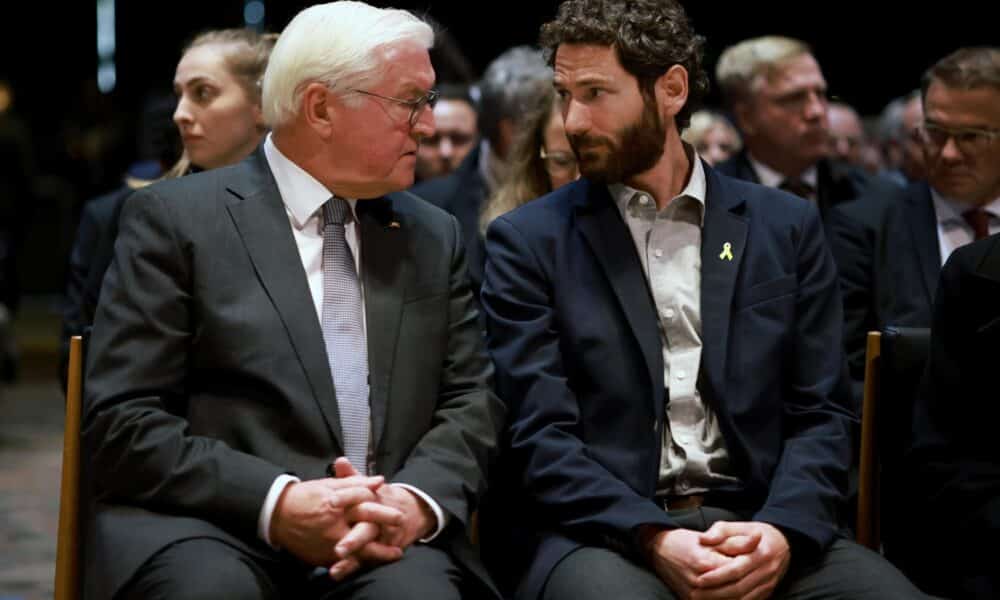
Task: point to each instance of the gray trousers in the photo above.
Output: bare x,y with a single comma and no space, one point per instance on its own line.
204,569
846,570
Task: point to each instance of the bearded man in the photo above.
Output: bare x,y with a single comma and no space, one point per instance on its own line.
668,344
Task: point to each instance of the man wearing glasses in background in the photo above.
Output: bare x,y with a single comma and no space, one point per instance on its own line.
890,243
456,133
287,392
510,88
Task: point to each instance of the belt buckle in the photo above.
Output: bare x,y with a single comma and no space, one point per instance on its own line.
683,502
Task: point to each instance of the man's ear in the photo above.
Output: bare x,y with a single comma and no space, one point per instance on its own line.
320,108
672,90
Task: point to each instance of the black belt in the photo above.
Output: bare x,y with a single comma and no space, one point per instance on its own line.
673,502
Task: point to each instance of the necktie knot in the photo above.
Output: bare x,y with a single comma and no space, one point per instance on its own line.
979,220
337,211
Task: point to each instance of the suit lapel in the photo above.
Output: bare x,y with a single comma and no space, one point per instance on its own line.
922,220
604,230
383,243
259,215
723,228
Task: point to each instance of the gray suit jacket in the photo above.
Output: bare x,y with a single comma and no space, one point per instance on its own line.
207,375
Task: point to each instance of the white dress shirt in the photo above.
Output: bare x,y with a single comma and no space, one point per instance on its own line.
304,198
952,228
694,457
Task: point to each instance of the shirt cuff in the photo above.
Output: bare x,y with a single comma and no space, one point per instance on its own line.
441,517
267,511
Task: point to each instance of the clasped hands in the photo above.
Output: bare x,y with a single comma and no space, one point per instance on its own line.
348,521
744,560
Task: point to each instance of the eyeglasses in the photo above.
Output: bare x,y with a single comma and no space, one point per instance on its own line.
416,106
968,139
558,163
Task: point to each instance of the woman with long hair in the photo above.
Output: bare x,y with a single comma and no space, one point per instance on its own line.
219,119
541,161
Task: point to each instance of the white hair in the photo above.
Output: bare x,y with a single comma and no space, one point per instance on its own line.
337,44
741,65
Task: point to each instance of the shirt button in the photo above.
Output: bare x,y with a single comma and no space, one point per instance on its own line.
658,253
668,313
680,375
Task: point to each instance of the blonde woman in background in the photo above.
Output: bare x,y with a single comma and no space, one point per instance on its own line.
542,160
713,136
219,119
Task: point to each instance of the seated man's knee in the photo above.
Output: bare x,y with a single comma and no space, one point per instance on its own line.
598,573
199,569
424,572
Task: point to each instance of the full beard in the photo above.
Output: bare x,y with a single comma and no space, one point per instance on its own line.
637,149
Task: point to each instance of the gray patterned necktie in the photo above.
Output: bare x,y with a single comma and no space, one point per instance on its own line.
343,333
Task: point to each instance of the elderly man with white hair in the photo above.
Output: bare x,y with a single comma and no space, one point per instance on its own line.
287,393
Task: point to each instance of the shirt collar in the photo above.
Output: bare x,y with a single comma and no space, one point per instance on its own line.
949,210
302,193
696,188
772,178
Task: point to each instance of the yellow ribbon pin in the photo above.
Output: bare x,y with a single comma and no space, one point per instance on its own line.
727,252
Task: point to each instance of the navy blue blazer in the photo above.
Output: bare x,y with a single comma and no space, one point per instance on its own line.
574,337
888,254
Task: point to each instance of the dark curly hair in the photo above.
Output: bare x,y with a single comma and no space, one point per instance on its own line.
649,37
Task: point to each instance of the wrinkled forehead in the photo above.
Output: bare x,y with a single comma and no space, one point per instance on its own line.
405,67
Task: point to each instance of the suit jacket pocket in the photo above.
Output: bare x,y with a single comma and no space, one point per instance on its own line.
767,290
425,289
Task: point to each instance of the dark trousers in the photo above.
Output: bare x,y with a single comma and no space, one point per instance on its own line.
205,568
846,570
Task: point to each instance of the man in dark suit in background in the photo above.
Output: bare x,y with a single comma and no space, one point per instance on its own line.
510,88
261,320
666,339
777,94
890,243
456,133
955,460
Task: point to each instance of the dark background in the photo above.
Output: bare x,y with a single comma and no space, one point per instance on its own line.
870,51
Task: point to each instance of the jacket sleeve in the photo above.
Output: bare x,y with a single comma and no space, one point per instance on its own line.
809,482
450,462
135,397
